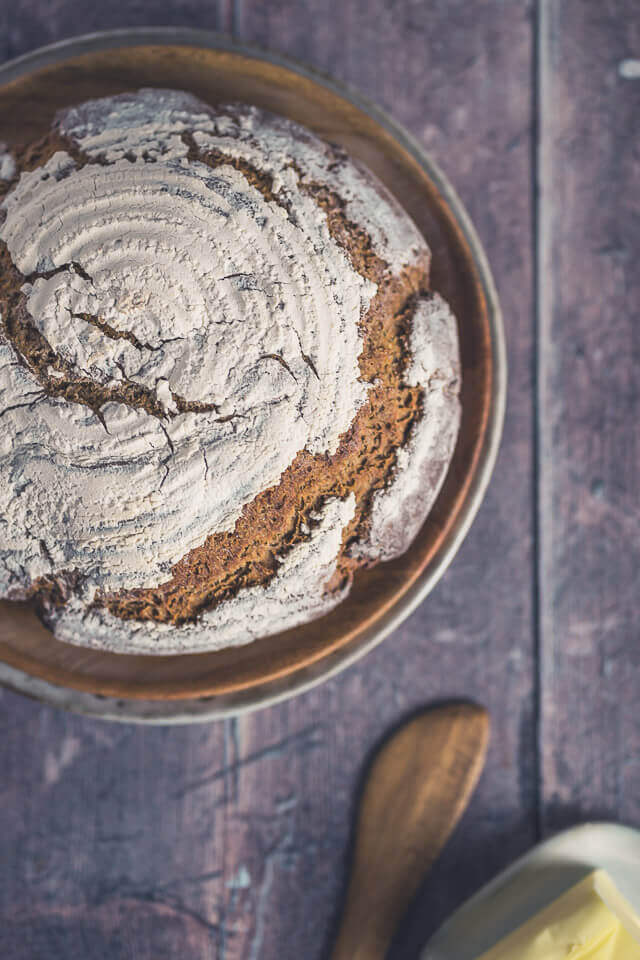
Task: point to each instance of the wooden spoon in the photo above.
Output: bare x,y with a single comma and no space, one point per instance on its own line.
416,790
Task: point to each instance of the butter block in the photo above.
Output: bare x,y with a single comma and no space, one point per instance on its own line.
591,921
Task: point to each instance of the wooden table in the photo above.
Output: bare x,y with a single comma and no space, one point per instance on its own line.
229,840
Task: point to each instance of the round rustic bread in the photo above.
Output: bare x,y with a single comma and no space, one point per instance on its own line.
224,381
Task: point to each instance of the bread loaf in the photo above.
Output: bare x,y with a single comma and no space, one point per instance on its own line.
225,382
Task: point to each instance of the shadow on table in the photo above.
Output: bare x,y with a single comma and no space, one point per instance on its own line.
478,850
456,850
470,860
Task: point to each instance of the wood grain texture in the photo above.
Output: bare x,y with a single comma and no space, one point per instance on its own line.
229,841
589,390
441,69
415,791
33,23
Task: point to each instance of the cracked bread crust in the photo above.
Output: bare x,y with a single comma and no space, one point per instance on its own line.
292,546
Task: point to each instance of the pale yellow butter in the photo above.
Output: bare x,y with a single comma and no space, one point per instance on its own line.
591,921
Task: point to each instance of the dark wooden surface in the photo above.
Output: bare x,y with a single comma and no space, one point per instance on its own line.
229,840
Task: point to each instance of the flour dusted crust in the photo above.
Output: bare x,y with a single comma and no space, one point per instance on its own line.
224,382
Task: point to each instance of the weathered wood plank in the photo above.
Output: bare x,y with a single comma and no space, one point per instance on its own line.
229,841
99,847
589,446
458,75
33,23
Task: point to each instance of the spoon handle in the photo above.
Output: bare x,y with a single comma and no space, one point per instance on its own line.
416,790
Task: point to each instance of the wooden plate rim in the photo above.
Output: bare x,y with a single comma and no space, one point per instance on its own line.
281,686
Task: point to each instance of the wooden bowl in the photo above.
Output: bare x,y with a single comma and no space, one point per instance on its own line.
198,686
